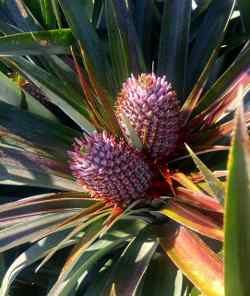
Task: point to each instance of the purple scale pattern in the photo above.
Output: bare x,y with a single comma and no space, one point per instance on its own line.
109,169
152,108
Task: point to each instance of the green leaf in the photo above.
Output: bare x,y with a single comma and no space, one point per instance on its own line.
34,131
127,28
21,15
135,259
174,40
56,90
162,278
76,13
118,45
237,214
26,168
31,255
49,19
208,38
22,233
132,135
226,80
86,262
13,212
214,183
244,6
37,43
12,94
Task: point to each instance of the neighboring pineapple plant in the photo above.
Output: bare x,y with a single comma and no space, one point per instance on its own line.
105,110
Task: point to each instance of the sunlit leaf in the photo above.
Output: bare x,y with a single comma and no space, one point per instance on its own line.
237,213
135,258
31,255
193,219
214,183
199,263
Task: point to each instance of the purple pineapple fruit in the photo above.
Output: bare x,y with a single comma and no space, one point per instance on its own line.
110,169
151,106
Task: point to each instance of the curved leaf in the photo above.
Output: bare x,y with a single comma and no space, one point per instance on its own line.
237,213
37,43
193,219
31,255
133,263
199,263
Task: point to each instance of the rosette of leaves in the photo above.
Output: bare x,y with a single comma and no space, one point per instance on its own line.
75,57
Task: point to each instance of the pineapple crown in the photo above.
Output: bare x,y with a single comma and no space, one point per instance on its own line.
151,106
110,169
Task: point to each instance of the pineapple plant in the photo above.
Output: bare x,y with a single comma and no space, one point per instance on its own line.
111,129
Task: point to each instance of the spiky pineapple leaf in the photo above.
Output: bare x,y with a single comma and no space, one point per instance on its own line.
22,232
117,44
208,38
49,20
31,255
144,16
57,91
125,19
162,278
25,208
12,94
193,219
213,182
86,262
244,6
37,43
194,258
76,13
129,270
232,76
237,213
20,15
35,131
174,40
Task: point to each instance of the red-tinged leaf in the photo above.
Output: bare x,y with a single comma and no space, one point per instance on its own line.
185,181
218,132
88,92
229,77
198,199
95,230
89,237
227,103
45,203
205,50
103,96
91,234
193,219
23,232
195,259
76,13
125,19
237,212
